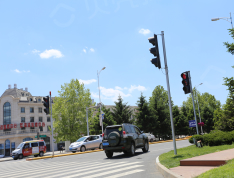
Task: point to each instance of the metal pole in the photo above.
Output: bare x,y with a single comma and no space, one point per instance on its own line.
87,121
169,94
51,121
193,102
100,102
199,111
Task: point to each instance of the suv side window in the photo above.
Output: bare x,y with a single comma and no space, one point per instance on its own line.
41,143
34,144
137,130
127,129
133,129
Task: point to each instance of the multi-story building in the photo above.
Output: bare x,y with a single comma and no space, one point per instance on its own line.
21,117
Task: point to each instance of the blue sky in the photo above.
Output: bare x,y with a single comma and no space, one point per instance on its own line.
44,44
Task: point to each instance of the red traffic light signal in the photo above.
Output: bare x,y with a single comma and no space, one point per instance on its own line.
186,82
46,104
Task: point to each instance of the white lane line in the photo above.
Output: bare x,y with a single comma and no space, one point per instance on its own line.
32,171
86,171
125,173
110,172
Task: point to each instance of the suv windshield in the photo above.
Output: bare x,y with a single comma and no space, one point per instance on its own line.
20,146
81,139
111,129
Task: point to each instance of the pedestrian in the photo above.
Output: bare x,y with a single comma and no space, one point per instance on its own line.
61,148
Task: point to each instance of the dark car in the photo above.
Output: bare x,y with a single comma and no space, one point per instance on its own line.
124,138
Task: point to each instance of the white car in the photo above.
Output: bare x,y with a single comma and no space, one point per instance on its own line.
86,143
151,137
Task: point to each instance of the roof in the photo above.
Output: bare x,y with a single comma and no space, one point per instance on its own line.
31,141
16,93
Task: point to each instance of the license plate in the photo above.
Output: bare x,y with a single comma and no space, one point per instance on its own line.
105,144
70,148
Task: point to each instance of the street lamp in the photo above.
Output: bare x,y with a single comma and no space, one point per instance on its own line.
198,106
98,73
224,18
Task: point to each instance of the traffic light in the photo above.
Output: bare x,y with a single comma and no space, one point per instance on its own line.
186,82
155,51
46,104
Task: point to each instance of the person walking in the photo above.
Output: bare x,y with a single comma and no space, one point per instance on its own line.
61,148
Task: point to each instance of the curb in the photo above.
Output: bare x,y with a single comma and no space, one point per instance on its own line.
186,138
164,171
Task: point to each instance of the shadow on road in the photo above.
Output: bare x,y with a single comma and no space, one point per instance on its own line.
123,156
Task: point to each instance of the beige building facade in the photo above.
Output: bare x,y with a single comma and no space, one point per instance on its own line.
21,117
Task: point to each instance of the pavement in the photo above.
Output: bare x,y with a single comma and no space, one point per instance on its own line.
195,166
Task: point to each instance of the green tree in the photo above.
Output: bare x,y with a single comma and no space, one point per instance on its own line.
143,119
208,119
180,122
95,127
69,111
122,112
159,108
230,46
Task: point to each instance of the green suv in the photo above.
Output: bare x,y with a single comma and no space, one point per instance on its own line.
124,138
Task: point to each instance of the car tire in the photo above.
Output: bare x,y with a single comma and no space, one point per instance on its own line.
82,149
109,154
73,151
41,154
35,155
20,156
15,158
100,146
146,146
151,140
132,149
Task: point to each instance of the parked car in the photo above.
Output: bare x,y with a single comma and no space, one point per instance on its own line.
124,138
86,143
151,137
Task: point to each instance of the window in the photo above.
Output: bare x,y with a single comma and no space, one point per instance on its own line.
31,119
40,119
6,113
48,128
48,119
41,128
22,110
40,110
31,99
22,128
31,110
41,143
137,130
34,144
133,129
12,146
26,145
1,149
127,129
22,119
39,100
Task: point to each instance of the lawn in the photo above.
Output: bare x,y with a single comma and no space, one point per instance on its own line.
169,160
226,171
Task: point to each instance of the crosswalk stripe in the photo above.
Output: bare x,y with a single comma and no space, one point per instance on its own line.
109,172
125,173
112,166
34,170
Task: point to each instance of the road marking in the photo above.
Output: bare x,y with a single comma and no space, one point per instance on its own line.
125,173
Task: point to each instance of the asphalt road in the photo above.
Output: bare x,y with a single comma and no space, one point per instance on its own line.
92,165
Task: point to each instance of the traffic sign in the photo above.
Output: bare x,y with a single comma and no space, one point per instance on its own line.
103,116
192,123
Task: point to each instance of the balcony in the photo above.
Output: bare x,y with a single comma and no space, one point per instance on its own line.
16,132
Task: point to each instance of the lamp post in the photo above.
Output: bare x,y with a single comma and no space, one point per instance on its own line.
224,18
98,73
198,106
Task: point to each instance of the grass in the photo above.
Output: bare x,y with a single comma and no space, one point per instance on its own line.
226,171
169,160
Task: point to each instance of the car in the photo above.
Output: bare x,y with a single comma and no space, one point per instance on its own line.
86,143
124,138
151,137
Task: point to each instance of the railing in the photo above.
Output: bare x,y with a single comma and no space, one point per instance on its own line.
2,133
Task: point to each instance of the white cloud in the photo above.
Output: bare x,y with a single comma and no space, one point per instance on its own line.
84,50
118,88
23,71
144,31
87,81
51,53
92,50
35,51
134,87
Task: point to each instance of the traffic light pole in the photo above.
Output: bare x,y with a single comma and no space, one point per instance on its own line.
191,89
169,93
51,121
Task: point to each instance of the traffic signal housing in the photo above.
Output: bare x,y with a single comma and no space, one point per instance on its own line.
186,82
46,104
155,51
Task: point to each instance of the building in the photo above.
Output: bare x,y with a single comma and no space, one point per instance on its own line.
21,116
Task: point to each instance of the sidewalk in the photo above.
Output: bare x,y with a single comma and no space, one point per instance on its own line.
195,166
9,158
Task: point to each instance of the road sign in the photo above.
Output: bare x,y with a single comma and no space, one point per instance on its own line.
103,116
192,123
41,136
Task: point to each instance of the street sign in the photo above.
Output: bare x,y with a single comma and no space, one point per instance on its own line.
41,136
192,123
103,116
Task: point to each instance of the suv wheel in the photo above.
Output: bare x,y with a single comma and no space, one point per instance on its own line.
132,149
146,147
109,154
